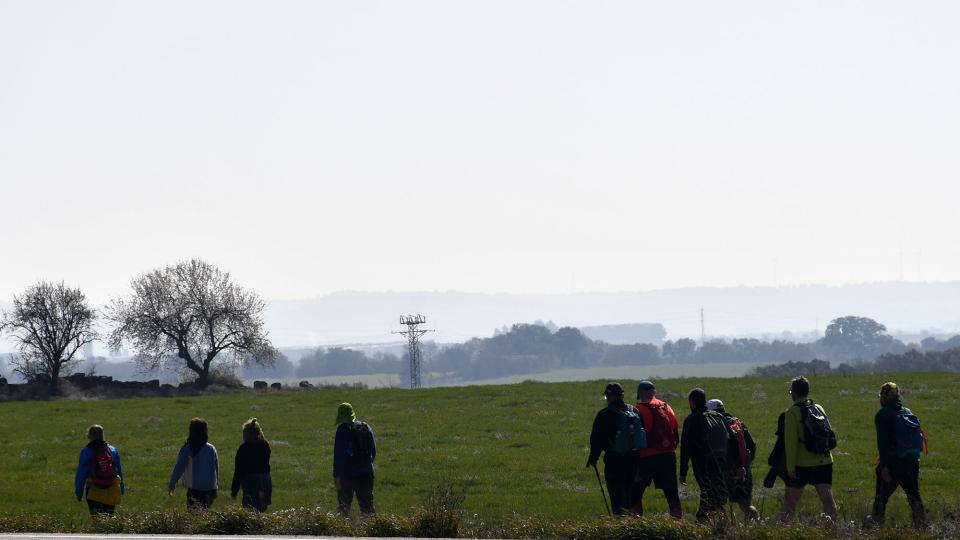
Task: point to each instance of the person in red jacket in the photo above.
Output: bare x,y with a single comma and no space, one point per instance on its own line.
658,461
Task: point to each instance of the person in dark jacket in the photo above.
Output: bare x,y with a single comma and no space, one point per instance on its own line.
894,470
199,466
739,475
777,460
251,471
354,449
708,469
99,500
618,470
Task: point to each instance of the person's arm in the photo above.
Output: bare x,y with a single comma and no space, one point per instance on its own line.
598,438
216,467
751,444
373,444
339,451
791,439
119,467
178,469
685,448
883,437
83,471
237,463
675,424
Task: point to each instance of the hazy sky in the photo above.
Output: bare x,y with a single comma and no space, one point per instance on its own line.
527,146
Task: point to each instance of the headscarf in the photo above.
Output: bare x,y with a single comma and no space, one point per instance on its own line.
345,414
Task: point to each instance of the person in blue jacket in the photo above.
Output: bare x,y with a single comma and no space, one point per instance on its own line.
98,473
199,467
895,469
354,449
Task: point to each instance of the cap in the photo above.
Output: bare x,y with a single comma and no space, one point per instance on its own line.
645,384
715,405
889,390
613,388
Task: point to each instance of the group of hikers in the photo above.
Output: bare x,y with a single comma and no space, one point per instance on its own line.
639,446
100,478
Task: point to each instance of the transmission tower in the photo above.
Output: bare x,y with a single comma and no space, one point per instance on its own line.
413,333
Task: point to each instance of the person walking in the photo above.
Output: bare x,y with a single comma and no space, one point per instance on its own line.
199,467
704,441
251,470
99,474
900,441
743,449
354,450
657,463
808,438
615,433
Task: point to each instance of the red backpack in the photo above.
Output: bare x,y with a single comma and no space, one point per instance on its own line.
739,439
660,436
102,471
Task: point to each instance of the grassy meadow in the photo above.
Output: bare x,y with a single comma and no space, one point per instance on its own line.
515,450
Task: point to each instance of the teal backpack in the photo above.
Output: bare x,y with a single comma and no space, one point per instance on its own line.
911,440
630,436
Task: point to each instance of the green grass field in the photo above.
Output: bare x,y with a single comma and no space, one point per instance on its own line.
516,450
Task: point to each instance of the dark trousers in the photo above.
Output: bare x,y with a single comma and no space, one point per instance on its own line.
362,486
711,478
905,474
661,470
619,473
99,509
200,499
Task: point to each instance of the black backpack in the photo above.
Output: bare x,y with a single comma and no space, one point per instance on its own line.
818,434
717,435
360,445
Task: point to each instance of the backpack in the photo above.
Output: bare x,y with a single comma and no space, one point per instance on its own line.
630,436
661,434
818,434
738,442
717,436
360,445
911,440
103,474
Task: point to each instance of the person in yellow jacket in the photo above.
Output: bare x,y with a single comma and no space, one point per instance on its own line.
804,466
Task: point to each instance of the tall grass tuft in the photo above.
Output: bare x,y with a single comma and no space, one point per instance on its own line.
441,514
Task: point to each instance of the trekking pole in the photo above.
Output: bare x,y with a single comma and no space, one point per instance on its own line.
602,492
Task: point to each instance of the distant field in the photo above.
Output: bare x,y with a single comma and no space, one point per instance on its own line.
513,448
656,371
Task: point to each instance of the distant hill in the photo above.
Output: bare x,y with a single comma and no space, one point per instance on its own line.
370,317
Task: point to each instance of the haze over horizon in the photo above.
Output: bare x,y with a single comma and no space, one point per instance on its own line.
535,147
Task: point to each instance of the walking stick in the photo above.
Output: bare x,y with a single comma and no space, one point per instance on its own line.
602,492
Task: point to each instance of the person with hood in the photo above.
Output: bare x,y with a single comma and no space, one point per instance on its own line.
657,462
199,467
99,474
251,470
899,443
804,465
619,464
354,450
705,442
743,449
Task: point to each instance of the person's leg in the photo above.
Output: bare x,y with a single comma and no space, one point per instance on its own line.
619,482
345,496
749,511
791,497
193,500
365,495
667,482
908,475
882,494
98,508
636,495
825,491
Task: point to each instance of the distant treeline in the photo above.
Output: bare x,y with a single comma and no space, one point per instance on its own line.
912,360
850,344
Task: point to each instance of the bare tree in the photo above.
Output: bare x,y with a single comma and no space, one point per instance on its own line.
50,323
185,315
